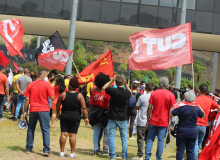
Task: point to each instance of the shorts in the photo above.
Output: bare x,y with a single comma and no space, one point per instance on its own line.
87,101
69,125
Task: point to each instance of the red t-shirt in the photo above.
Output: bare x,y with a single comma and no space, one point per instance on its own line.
206,104
3,80
38,92
101,99
56,90
161,100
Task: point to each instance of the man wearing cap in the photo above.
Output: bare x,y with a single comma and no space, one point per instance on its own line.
21,85
4,89
15,94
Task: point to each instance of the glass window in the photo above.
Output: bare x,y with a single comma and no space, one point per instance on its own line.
148,16
110,12
216,27
15,6
191,4
91,10
168,3
34,8
53,8
79,10
2,6
203,21
67,8
217,6
150,2
205,5
131,1
129,14
166,17
113,0
30,56
190,17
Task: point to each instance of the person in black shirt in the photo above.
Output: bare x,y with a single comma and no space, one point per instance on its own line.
118,114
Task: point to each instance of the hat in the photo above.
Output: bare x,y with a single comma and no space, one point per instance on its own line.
136,81
1,67
20,69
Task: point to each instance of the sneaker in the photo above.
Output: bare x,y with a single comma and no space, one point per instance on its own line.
28,152
73,155
47,154
137,158
112,159
104,152
131,138
12,118
117,156
96,153
62,154
125,158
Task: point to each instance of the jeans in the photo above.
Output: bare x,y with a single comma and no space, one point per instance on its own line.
20,102
44,119
200,137
131,113
2,104
97,128
152,130
112,126
105,140
10,107
188,141
49,102
141,136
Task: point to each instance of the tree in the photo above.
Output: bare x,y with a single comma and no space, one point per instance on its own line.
136,75
26,45
122,67
89,58
185,83
170,73
80,64
79,49
199,72
33,43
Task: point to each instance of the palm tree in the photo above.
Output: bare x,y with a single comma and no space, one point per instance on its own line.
122,67
89,58
79,50
199,73
170,73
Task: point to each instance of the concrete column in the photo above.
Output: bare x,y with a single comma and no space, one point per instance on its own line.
215,67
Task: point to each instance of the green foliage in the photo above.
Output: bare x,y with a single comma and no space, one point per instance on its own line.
123,68
80,64
79,49
2,42
136,75
170,74
89,58
199,72
26,45
33,43
116,73
185,82
150,74
114,52
118,45
93,46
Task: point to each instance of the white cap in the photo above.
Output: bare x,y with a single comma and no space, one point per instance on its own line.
136,81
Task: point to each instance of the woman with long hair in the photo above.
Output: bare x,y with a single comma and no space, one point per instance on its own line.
58,88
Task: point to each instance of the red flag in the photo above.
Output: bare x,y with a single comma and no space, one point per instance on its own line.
211,151
161,49
16,66
56,59
4,59
12,32
103,64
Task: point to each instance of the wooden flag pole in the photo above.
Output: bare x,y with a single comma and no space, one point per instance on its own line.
75,67
31,67
193,77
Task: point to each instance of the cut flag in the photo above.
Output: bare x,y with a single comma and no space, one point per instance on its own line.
16,66
56,59
4,59
159,49
104,64
12,31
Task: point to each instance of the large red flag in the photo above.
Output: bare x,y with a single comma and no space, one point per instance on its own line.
56,59
211,151
16,66
161,49
103,64
12,32
4,59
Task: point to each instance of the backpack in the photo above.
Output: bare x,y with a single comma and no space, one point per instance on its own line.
83,90
132,101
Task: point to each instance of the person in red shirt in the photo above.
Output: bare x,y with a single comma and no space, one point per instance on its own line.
99,103
160,103
37,94
206,104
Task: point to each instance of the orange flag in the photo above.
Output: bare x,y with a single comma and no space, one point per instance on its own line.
104,64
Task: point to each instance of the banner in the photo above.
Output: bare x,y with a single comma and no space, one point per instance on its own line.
104,64
12,32
54,60
4,59
16,66
52,43
159,49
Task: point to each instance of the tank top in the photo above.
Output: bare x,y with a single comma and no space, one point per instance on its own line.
71,107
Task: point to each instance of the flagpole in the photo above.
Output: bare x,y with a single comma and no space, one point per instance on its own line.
31,67
75,67
193,77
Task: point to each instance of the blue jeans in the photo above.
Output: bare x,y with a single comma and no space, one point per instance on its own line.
49,102
44,119
2,106
200,137
112,127
97,129
10,107
188,141
152,130
20,102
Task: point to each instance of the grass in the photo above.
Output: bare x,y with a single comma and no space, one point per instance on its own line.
13,141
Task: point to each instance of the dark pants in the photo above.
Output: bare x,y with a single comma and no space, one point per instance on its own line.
105,140
2,96
15,101
131,113
187,141
141,137
44,119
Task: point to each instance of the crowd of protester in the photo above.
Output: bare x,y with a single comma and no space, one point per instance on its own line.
108,104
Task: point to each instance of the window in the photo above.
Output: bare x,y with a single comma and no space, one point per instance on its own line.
131,1
53,8
148,16
216,27
205,5
166,17
15,7
30,56
113,0
25,55
107,15
190,17
168,3
2,6
67,8
217,6
91,10
191,4
34,8
203,21
129,14
150,2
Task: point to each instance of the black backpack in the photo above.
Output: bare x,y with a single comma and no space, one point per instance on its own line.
83,90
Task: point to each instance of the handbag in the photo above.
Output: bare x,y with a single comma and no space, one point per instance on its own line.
174,132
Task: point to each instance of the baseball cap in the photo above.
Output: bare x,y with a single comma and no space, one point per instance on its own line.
20,69
1,67
136,81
